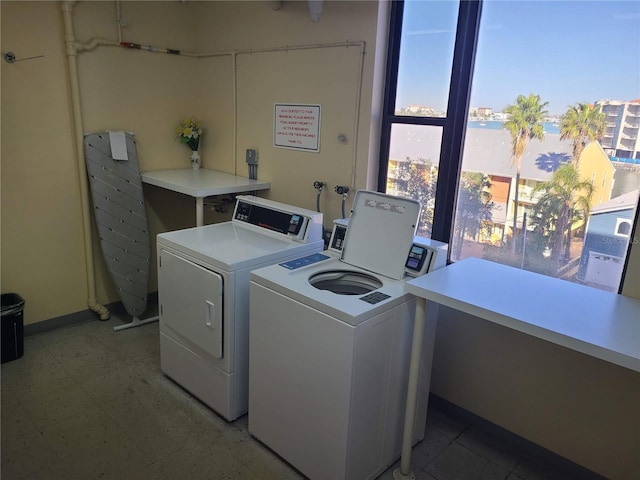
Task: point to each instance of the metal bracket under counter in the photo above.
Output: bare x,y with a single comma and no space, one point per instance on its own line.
200,183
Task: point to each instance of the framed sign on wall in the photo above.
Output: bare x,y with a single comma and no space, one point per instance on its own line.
297,126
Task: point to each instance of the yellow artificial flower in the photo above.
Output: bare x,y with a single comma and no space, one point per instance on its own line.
189,131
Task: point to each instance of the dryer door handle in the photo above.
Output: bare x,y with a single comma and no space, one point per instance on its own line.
210,318
214,322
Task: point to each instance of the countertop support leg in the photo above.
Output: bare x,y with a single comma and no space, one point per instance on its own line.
199,211
404,472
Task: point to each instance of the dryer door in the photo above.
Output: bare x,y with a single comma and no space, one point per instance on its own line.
190,298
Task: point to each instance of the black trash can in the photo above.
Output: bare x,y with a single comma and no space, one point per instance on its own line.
12,327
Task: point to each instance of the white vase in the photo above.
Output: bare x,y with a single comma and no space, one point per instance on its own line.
195,159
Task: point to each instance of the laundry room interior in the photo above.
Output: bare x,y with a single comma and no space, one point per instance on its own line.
228,63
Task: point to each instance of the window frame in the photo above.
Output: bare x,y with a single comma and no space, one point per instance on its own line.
453,124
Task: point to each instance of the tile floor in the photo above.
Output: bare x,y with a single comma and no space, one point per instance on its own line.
85,402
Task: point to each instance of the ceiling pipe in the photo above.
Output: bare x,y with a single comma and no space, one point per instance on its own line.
316,8
119,21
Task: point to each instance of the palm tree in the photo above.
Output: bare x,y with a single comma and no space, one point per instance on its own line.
524,123
564,195
473,208
582,123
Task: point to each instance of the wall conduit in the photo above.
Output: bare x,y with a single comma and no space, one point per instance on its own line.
71,52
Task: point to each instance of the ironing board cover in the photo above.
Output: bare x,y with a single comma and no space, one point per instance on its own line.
118,206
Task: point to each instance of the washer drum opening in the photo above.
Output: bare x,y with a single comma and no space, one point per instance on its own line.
345,282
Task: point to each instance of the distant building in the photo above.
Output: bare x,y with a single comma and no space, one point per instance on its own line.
488,151
606,241
420,110
621,140
481,112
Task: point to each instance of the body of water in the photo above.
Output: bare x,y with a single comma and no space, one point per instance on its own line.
497,125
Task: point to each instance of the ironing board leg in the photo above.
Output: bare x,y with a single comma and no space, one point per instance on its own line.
136,322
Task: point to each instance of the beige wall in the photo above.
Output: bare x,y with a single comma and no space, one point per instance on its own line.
575,405
42,243
147,93
562,400
325,75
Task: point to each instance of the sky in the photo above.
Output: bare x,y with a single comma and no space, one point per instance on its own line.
565,51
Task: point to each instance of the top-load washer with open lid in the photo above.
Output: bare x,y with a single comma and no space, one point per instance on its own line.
330,341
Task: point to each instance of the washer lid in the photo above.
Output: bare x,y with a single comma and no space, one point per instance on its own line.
380,233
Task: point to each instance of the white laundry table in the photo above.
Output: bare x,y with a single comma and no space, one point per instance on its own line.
602,324
200,183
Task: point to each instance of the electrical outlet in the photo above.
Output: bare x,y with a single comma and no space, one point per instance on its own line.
252,156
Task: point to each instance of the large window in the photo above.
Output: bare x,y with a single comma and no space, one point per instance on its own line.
519,137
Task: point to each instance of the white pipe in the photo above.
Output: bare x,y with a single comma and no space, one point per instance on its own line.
275,49
119,21
93,43
67,11
234,99
356,125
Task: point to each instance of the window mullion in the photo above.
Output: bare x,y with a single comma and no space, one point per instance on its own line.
457,113
433,121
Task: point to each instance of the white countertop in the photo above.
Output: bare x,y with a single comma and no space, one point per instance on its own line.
202,182
602,324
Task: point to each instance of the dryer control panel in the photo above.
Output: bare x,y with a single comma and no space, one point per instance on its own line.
291,222
425,256
418,260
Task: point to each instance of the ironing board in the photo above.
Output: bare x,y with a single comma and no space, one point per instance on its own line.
121,219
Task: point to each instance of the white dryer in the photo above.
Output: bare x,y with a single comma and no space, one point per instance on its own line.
330,341
203,289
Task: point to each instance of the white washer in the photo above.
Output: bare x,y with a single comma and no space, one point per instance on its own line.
330,341
203,289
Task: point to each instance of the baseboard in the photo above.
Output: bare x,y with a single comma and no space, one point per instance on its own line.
115,308
526,447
